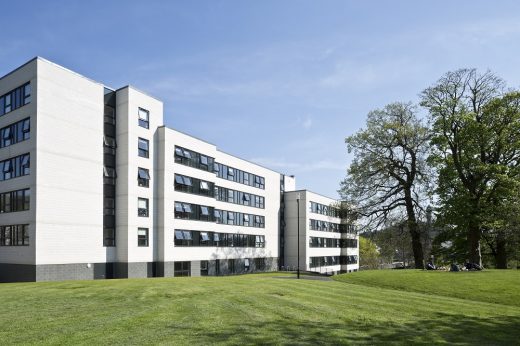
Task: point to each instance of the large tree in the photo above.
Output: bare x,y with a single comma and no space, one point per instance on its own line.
388,174
476,136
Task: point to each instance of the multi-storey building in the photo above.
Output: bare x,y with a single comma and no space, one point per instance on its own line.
93,185
328,242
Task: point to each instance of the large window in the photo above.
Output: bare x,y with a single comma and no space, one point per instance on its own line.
193,159
239,219
143,147
239,197
144,118
193,185
182,268
142,207
14,133
239,176
14,201
14,235
143,177
142,237
324,242
217,239
183,238
325,226
323,209
193,212
15,99
15,167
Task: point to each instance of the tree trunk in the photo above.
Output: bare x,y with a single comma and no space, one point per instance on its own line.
473,238
413,227
501,254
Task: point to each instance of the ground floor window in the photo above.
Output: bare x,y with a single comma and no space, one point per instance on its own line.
204,268
231,266
182,268
260,264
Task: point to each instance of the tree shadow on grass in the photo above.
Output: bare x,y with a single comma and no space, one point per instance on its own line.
444,328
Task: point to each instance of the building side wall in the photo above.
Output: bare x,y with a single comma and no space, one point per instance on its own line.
20,255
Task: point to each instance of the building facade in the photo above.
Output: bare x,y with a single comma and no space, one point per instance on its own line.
328,242
93,185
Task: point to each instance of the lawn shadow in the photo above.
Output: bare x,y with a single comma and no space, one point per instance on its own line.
444,328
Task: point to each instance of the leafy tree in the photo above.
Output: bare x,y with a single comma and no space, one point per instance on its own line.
476,138
368,254
388,176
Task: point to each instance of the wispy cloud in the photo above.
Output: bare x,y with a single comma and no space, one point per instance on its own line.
307,122
316,165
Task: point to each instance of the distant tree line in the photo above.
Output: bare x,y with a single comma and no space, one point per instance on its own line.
450,178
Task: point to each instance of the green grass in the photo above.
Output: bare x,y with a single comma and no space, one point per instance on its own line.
491,286
255,309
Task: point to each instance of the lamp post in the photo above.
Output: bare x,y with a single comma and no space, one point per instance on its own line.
298,236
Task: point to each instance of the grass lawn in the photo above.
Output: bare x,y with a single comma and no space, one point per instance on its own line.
260,309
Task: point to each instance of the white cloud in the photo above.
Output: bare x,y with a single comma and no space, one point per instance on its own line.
316,165
307,122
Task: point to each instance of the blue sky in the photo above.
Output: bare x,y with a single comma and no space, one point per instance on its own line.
281,83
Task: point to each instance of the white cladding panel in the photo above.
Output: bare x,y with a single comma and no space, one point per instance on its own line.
69,167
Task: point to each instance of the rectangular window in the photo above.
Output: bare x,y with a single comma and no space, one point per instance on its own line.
14,235
144,116
15,99
204,266
109,237
15,167
260,264
142,237
182,268
142,207
143,177
143,147
15,201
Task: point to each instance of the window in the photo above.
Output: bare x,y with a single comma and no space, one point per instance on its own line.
204,210
246,264
204,185
143,177
143,147
245,199
144,116
183,238
246,219
231,217
181,268
260,264
15,167
142,207
14,235
231,266
142,237
15,99
109,237
204,266
231,172
109,205
204,160
260,241
15,201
